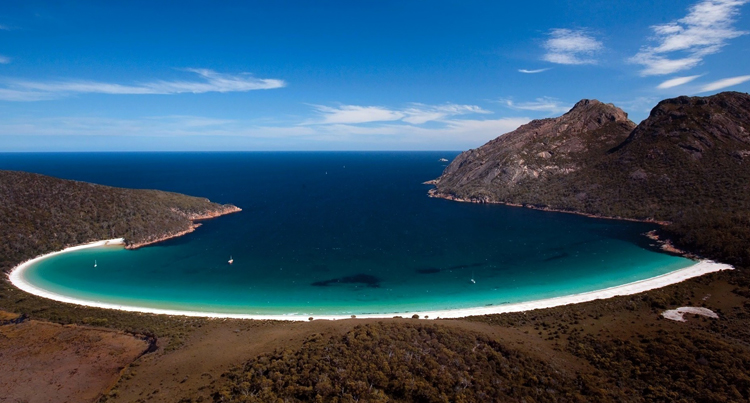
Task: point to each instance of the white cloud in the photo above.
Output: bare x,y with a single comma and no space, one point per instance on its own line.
467,132
4,59
4,27
211,81
638,104
160,126
420,113
229,134
24,96
567,46
532,71
704,31
727,82
416,113
674,82
543,104
354,114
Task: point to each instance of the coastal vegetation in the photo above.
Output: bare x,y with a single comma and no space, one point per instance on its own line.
386,362
688,163
685,164
41,214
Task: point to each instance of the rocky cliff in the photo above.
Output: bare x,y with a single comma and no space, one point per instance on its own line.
688,163
535,152
594,160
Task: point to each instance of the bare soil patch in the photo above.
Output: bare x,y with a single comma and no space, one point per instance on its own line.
47,362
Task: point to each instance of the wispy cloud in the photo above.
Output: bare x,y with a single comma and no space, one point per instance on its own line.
674,82
4,59
682,44
638,105
4,27
568,46
248,135
543,104
210,81
349,114
532,71
24,96
421,113
727,82
415,113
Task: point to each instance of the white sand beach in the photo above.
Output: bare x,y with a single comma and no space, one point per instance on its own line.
698,269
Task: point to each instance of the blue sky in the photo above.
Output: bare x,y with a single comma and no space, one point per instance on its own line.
355,75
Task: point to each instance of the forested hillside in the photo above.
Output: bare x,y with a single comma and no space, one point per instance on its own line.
40,214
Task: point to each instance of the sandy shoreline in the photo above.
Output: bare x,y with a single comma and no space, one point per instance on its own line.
700,268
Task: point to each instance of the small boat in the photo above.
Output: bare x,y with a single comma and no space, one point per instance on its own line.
443,160
472,279
94,263
231,260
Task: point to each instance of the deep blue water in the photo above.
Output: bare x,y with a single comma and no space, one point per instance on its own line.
336,233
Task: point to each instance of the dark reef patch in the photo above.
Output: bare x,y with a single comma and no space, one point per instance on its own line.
365,279
558,256
435,270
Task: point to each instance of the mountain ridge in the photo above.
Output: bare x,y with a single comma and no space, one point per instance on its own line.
687,162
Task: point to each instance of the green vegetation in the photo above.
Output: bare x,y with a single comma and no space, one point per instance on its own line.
621,350
400,362
40,214
688,163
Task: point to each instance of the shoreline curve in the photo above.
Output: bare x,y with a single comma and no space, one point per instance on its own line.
435,194
700,268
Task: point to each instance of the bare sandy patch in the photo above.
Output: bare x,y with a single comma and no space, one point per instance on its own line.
47,362
679,313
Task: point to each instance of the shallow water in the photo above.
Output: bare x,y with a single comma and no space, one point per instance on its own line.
336,233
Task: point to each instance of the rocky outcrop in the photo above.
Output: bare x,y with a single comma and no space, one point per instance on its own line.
692,154
192,226
535,151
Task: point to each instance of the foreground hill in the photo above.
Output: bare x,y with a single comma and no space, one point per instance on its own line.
40,214
688,163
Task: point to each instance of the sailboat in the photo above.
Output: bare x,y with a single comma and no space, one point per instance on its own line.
230,260
94,263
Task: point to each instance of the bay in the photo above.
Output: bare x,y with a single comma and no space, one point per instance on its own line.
336,233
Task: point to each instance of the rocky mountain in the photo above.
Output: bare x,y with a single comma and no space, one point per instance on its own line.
535,152
688,163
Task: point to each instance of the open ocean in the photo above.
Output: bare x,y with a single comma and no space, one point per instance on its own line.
336,233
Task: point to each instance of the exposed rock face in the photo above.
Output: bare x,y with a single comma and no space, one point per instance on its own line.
690,152
694,126
536,151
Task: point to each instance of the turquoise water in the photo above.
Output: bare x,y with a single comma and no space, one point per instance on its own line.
337,233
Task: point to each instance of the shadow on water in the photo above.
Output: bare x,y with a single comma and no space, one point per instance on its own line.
365,279
556,257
